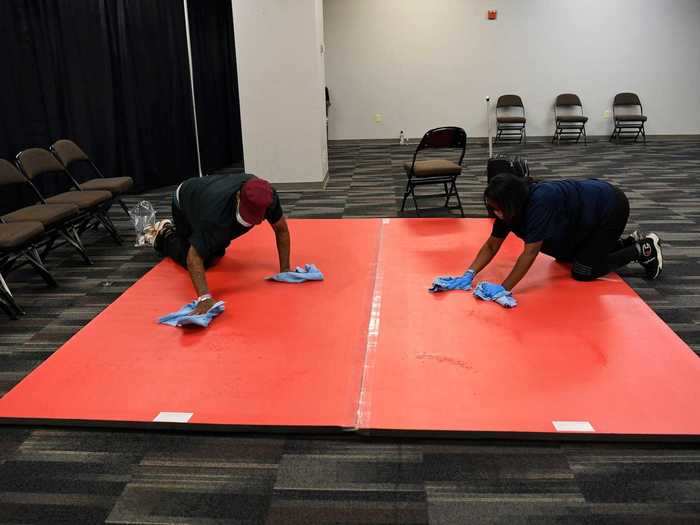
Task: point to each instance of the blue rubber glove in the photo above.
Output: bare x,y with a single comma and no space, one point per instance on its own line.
308,273
464,282
182,317
495,292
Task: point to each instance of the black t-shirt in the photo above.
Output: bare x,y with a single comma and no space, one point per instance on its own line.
209,203
559,213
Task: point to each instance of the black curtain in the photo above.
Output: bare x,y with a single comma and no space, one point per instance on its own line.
215,84
111,75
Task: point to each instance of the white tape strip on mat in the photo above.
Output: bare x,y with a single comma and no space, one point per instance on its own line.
573,426
173,417
363,407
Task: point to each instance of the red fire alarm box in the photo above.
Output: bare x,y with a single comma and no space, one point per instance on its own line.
492,15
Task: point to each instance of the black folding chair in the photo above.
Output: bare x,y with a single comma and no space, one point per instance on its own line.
16,249
569,120
58,220
76,160
93,204
510,119
628,116
437,170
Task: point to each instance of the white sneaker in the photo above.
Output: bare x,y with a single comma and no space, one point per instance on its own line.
651,256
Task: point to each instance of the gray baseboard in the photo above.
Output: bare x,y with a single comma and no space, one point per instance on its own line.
536,138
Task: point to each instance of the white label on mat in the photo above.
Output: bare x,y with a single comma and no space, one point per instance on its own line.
173,417
573,426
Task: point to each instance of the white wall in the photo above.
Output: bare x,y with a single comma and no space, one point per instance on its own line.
321,57
425,63
281,88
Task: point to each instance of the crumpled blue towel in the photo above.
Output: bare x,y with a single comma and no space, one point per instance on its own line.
183,316
463,282
182,312
308,273
495,292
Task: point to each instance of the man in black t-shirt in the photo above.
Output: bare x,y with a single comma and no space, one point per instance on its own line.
208,213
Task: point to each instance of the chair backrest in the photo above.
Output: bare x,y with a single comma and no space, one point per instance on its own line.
627,99
567,99
510,105
68,152
16,191
448,137
9,174
629,103
76,161
37,161
445,137
567,104
509,101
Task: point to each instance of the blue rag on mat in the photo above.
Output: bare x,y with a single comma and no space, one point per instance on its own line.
184,317
308,273
463,282
495,292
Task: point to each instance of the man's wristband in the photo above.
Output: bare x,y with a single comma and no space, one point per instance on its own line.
203,297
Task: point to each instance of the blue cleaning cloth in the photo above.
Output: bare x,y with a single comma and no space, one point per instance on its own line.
308,273
463,282
185,310
183,316
495,292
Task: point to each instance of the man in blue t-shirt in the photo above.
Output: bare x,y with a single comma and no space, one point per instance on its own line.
208,213
575,221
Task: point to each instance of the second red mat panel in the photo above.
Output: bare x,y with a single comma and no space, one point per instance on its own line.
572,357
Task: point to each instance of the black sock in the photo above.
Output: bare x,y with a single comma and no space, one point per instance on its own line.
624,256
624,242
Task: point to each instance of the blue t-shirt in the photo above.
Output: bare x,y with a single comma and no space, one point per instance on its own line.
558,213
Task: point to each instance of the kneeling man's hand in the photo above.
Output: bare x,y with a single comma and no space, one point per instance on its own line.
203,306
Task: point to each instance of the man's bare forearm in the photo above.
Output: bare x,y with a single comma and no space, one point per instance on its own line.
195,265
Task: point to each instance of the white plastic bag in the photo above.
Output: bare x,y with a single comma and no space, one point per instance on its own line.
142,215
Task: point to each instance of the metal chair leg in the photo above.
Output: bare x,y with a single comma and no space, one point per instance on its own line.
415,201
459,201
70,235
34,259
48,246
109,226
5,307
126,210
406,193
8,298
